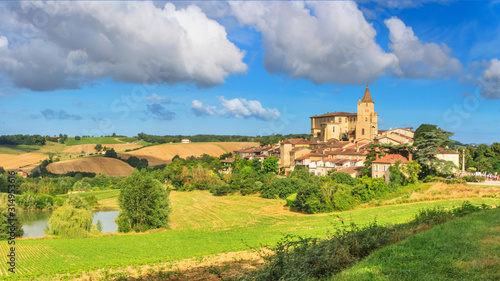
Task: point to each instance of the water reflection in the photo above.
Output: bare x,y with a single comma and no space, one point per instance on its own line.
34,223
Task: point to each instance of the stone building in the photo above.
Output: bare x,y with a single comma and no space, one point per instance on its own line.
347,126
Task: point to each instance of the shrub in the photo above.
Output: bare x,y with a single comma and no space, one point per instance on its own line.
473,179
290,200
368,188
282,188
342,178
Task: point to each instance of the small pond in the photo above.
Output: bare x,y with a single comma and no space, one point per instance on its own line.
34,223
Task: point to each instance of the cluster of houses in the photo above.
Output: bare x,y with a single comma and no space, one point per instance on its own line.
321,157
340,142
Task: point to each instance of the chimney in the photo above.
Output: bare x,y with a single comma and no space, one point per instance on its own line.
410,158
376,156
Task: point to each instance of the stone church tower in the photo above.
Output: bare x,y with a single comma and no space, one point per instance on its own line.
366,124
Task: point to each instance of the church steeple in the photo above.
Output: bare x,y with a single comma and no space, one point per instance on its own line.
367,96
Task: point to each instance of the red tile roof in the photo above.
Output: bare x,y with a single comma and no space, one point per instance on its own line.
297,141
391,159
444,151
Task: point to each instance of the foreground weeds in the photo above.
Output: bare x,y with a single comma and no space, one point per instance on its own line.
298,258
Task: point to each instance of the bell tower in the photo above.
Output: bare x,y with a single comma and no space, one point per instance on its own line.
366,123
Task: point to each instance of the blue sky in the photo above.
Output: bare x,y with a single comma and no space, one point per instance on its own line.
247,68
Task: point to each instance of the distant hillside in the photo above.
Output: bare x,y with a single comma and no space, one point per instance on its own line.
90,147
11,162
163,154
99,165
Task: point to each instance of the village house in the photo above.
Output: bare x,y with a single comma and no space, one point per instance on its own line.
380,167
185,141
447,155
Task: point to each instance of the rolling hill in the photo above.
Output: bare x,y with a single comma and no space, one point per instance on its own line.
99,165
163,154
12,161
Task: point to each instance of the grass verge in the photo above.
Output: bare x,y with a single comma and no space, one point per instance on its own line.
463,249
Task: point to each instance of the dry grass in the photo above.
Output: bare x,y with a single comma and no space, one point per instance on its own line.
90,147
11,162
228,264
99,165
163,154
442,191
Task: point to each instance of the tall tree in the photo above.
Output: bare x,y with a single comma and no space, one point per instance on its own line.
144,203
427,149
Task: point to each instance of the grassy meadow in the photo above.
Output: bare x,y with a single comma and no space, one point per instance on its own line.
462,249
201,225
93,140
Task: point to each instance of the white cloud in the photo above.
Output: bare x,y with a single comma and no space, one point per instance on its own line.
238,107
3,41
200,109
326,42
490,80
418,60
65,44
241,108
155,98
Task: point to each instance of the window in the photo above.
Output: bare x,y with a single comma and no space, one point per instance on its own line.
384,168
346,119
376,168
333,129
362,131
366,118
340,120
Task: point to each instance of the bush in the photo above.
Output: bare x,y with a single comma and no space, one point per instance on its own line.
290,200
473,179
282,188
342,178
368,188
444,180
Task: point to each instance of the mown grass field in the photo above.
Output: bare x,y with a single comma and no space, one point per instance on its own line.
92,140
463,249
202,225
17,149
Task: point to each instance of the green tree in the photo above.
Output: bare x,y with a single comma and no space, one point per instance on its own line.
424,128
271,165
5,231
111,153
144,203
72,220
98,147
411,170
427,149
77,137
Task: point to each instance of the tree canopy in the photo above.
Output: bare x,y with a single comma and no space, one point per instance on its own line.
144,203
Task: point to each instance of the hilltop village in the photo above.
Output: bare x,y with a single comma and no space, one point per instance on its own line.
339,141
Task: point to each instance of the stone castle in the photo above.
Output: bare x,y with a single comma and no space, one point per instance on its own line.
345,125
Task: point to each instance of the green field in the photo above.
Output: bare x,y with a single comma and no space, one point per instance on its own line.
92,140
202,225
17,149
463,249
100,195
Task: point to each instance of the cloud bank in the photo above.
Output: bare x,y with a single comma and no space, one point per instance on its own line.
55,45
418,60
